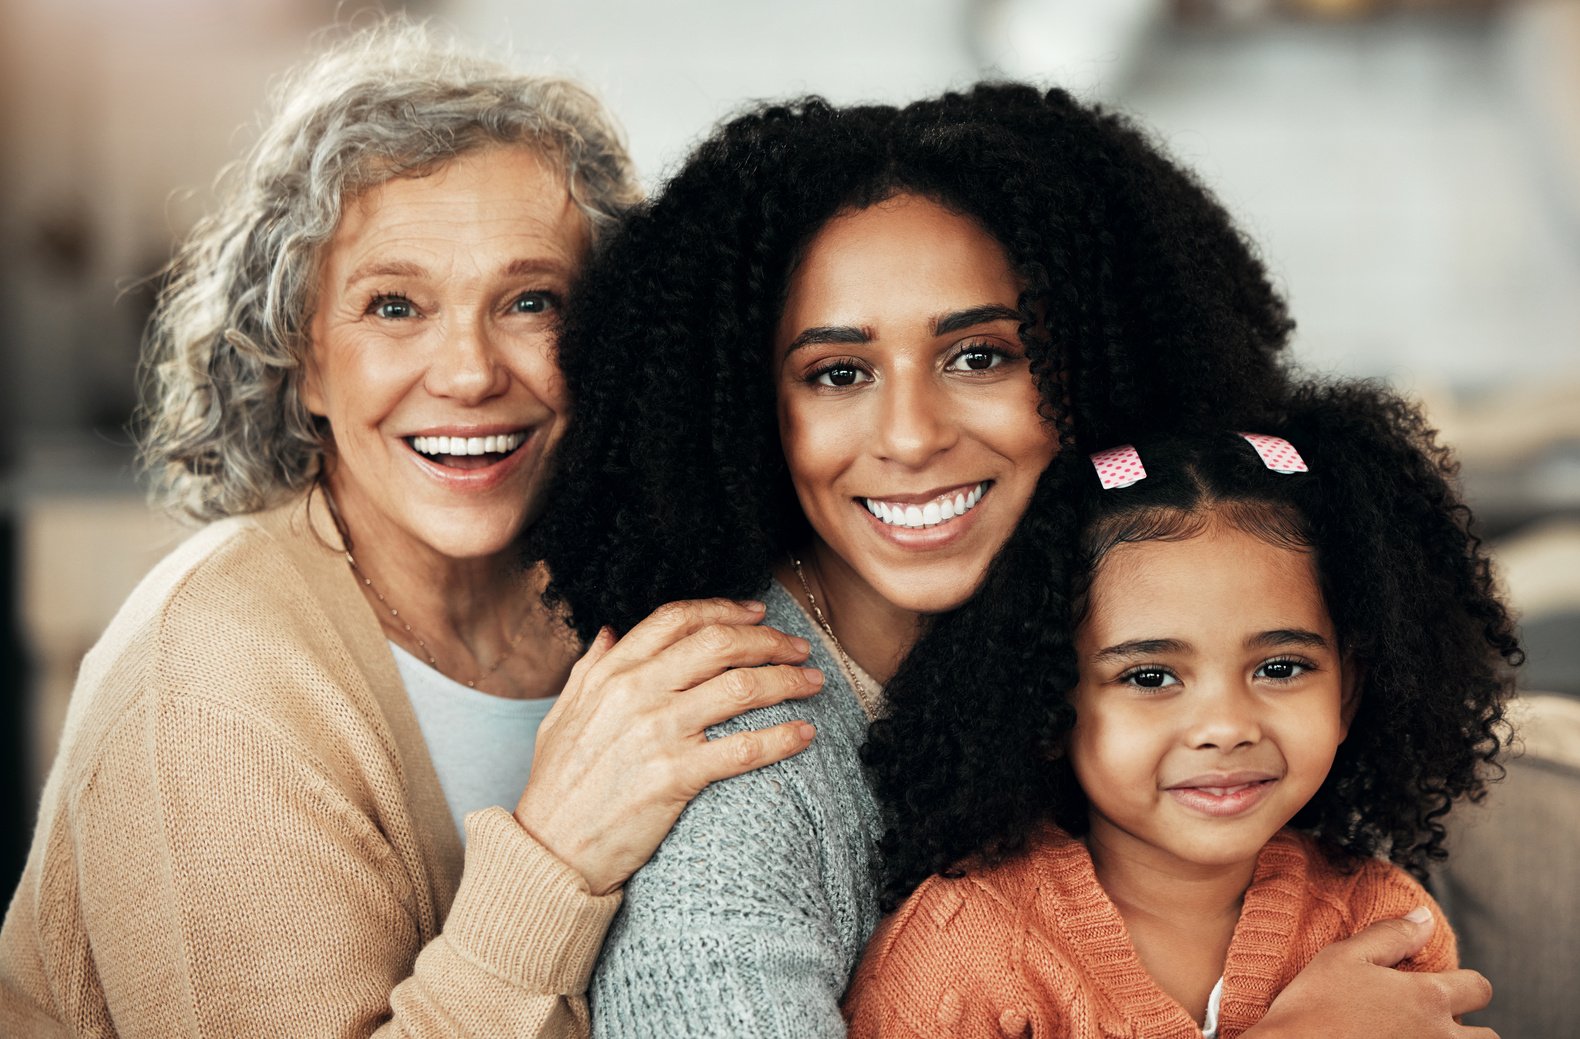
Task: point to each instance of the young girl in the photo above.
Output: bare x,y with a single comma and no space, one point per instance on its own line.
1278,661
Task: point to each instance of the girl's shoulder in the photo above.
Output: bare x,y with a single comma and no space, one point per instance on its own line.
1356,892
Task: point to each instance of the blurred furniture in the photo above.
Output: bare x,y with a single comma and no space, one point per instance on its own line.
80,555
1512,882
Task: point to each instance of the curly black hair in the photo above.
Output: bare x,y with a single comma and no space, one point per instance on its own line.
1142,304
968,761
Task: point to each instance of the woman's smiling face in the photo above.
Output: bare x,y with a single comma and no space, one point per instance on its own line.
907,409
433,351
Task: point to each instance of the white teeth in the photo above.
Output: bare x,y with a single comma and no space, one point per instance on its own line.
494,445
931,514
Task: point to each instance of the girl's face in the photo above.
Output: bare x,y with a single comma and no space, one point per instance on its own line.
907,409
1212,698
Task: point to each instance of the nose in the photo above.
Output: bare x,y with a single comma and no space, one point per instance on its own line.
466,365
1224,716
915,420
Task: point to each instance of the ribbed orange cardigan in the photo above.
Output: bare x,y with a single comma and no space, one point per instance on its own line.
1036,948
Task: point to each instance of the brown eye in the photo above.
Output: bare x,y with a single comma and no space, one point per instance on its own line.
839,375
1149,678
978,357
1282,670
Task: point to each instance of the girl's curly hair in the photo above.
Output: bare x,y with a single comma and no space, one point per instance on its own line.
969,760
1141,302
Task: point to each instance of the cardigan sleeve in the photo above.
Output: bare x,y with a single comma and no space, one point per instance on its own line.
224,886
1384,891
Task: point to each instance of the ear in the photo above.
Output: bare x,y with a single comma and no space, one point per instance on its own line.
311,385
1350,695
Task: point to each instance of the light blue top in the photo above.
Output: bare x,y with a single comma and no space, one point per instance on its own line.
481,745
750,918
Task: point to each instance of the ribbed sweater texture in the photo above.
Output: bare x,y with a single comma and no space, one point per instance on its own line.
748,921
1034,947
242,834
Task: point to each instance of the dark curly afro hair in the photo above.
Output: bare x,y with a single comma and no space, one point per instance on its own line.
968,761
1142,305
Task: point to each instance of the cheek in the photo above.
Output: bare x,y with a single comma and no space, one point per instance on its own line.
814,451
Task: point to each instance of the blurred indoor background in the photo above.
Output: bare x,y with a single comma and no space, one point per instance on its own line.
1410,169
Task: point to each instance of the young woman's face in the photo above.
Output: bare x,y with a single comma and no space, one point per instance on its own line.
1212,698
433,351
907,410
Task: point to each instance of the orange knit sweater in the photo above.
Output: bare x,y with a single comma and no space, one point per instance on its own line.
1035,948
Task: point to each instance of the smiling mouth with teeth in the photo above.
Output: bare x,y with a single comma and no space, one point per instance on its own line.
940,510
467,452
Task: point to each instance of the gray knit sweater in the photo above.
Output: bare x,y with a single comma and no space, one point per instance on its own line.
750,918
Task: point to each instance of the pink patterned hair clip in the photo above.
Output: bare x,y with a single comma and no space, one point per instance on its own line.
1118,467
1276,453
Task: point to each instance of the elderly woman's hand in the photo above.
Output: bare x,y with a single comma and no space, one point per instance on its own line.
1351,988
625,748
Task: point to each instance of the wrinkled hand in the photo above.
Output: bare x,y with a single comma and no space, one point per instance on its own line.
625,748
1351,989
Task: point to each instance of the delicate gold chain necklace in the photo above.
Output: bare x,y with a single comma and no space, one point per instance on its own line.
433,662
868,701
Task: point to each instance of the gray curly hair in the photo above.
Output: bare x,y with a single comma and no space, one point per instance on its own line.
223,427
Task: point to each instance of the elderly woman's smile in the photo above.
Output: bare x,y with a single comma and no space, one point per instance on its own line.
432,358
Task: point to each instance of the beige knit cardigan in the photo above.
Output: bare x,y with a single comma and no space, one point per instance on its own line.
243,834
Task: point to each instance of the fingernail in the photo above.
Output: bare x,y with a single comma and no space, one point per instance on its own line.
805,730
812,675
752,604
801,644
1419,915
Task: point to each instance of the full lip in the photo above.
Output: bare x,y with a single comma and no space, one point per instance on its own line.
938,534
1222,794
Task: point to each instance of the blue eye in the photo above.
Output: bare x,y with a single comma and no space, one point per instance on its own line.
535,303
392,306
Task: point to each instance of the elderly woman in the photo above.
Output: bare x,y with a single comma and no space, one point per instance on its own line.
255,824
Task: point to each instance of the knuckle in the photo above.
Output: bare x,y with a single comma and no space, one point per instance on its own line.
745,749
714,638
740,685
673,614
667,774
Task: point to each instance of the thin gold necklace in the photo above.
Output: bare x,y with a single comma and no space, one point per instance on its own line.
433,662
863,694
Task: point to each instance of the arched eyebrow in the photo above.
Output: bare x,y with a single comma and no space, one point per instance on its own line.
845,334
1287,637
385,269
958,320
941,324
1139,648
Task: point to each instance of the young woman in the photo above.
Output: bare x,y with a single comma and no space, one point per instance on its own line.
1266,662
828,367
